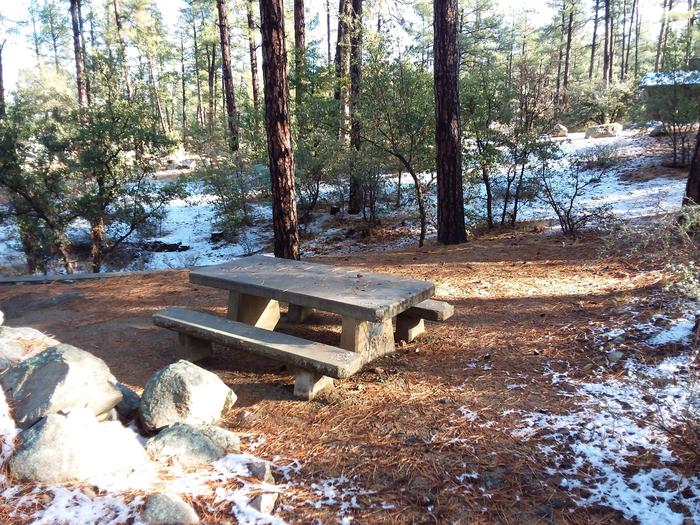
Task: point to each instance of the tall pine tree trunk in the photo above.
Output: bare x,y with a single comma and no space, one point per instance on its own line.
660,41
629,37
328,31
355,200
252,50
608,37
183,86
447,126
591,64
342,68
122,47
3,112
227,76
299,53
692,187
567,53
78,51
279,135
622,40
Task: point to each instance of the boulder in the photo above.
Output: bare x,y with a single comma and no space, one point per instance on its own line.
264,503
18,343
168,509
184,393
76,448
658,131
559,130
59,380
192,445
604,131
128,407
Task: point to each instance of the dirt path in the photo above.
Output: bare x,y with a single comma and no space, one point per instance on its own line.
402,440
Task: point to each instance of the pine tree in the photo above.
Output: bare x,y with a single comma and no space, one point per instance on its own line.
279,136
450,205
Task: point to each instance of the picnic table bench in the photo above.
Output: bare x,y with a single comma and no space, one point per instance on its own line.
367,303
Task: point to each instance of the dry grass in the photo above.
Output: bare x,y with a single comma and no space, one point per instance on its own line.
523,302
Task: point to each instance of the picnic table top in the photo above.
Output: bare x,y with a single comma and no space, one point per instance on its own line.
354,293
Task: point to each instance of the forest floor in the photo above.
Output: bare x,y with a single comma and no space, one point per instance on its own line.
556,394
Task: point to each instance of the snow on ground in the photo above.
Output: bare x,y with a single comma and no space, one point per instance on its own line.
613,449
190,221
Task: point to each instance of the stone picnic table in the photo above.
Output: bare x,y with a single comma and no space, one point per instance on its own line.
367,302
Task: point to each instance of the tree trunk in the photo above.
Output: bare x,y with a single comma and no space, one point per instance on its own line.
606,50
591,64
692,4
660,41
78,50
420,197
623,50
83,49
122,48
692,187
3,112
342,68
328,30
629,38
279,136
227,76
200,104
252,50
567,53
299,53
489,196
664,45
184,92
355,200
211,82
638,29
98,232
450,206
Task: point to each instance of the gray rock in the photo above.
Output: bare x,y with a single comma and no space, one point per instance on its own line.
168,509
19,343
11,352
559,130
264,503
76,447
604,130
658,131
128,407
184,393
59,380
192,445
261,471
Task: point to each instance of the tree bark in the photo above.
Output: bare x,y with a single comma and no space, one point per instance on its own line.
567,53
692,187
279,136
629,38
3,112
591,64
355,200
450,206
328,30
622,40
606,50
660,41
342,68
78,51
299,52
184,92
122,47
227,76
252,50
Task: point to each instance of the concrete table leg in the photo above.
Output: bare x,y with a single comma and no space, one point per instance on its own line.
253,310
308,385
192,349
298,314
408,328
373,340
